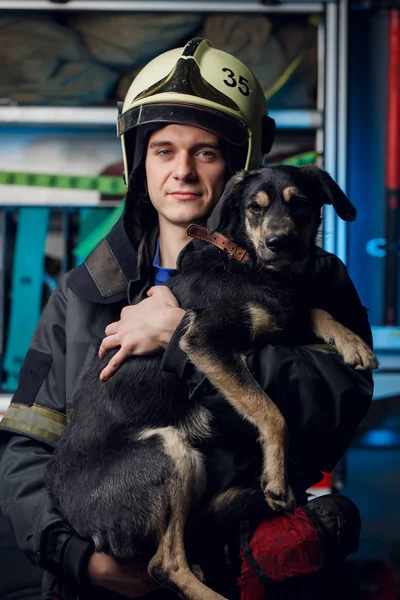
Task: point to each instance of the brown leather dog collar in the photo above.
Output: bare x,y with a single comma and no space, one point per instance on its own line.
219,240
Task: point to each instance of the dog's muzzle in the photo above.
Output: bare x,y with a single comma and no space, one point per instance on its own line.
279,249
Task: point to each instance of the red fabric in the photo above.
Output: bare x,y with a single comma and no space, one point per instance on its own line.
326,482
284,547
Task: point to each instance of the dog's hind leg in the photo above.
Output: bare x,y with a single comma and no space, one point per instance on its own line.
212,349
169,565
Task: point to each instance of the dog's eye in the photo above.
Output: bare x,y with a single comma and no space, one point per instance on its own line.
255,208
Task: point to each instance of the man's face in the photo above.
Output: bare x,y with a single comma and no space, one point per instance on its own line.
185,171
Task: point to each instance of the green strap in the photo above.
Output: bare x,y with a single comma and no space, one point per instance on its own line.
90,219
304,158
96,223
109,185
94,237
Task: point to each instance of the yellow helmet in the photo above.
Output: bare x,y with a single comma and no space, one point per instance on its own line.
202,86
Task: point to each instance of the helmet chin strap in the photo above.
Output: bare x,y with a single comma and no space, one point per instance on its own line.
236,157
142,134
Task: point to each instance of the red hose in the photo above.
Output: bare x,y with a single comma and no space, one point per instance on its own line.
393,120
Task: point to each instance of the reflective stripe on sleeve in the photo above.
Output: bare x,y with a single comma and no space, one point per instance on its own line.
39,421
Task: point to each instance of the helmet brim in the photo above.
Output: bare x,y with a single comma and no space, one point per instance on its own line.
223,126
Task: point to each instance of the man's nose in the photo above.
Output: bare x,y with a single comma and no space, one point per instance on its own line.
184,167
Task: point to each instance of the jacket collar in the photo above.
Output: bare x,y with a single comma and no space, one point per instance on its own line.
105,275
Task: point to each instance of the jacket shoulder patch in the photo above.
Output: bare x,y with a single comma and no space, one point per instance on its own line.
106,271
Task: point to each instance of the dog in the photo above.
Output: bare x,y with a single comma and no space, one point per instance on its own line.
130,467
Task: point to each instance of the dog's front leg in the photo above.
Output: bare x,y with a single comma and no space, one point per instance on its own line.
207,343
351,347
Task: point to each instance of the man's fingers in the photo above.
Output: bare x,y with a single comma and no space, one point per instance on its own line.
151,291
112,328
114,364
163,294
108,344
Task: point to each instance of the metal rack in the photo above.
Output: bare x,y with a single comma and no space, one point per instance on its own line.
335,117
105,117
328,120
288,119
162,5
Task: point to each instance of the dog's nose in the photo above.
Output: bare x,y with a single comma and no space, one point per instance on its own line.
278,243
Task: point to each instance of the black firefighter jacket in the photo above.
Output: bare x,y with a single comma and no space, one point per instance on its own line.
322,399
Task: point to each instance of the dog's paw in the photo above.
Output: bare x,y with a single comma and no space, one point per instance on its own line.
279,498
356,353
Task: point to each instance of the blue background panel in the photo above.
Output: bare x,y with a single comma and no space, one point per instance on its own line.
366,172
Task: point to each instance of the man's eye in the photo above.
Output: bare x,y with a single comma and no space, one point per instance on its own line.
206,154
164,152
255,208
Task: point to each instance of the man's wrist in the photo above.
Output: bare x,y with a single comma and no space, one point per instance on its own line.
76,559
176,317
175,360
65,554
128,579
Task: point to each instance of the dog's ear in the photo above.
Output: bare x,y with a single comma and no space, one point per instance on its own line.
330,193
222,210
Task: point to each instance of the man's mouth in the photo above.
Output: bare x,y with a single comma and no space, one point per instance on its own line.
185,195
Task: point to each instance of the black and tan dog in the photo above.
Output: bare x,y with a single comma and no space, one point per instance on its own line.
129,466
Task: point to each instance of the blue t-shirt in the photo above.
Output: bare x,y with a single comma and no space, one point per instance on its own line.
161,273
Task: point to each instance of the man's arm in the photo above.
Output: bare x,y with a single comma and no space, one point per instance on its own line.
28,434
29,431
144,328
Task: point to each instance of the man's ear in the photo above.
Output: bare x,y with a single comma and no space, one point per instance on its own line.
222,211
330,193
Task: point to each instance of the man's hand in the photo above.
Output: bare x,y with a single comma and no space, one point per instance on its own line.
131,580
143,328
